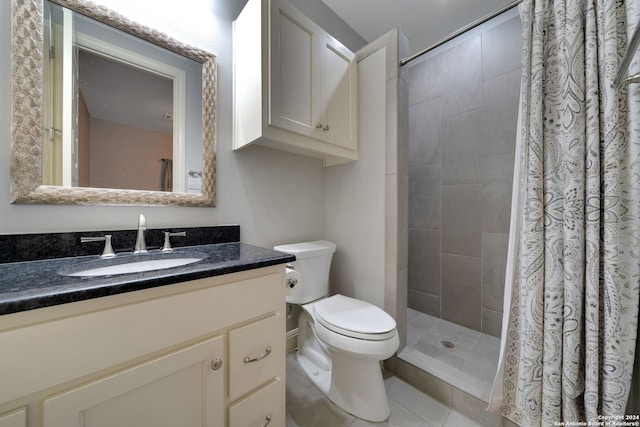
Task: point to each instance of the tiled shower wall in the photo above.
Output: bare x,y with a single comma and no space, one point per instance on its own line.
463,107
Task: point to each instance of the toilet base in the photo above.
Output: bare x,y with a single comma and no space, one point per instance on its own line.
353,383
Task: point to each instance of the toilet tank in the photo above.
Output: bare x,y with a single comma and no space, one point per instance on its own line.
313,261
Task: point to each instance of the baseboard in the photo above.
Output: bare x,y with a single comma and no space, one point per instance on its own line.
292,340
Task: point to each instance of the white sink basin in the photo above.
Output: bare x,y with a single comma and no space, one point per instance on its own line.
134,266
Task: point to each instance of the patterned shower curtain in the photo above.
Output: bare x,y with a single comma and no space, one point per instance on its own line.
571,300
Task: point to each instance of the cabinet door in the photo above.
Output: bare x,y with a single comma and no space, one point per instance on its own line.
293,105
339,94
17,418
184,388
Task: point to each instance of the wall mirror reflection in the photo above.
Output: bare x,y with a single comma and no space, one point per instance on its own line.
128,114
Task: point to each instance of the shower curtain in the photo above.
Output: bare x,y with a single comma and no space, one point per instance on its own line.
571,297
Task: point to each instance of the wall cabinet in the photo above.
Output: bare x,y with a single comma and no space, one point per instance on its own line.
295,86
200,353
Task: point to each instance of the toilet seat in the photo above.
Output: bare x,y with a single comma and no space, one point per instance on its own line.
354,318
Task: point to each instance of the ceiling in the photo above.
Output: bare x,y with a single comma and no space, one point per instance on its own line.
425,22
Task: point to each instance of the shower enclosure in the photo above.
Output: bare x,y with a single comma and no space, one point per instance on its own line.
463,108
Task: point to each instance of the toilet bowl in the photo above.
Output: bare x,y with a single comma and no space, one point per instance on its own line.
341,340
341,354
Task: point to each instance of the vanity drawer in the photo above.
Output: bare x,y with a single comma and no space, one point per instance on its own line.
256,353
264,407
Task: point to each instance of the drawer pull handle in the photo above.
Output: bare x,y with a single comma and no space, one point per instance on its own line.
268,419
248,359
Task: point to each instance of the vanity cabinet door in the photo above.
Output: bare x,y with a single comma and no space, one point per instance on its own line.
16,418
184,388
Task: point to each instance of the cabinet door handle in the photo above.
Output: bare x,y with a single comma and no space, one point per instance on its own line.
319,126
326,127
216,364
267,419
248,359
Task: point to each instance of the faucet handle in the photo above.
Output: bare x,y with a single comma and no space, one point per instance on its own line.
167,239
108,249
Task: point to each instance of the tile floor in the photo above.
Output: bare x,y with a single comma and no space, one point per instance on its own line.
470,366
307,407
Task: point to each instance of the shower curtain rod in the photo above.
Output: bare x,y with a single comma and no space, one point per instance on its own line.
461,31
631,50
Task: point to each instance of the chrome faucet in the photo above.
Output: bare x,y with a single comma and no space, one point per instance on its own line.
141,244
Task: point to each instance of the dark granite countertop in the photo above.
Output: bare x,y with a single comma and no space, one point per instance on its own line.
35,284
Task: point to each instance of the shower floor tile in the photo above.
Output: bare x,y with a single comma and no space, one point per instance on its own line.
470,365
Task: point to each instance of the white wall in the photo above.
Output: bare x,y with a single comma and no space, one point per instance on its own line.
276,197
355,196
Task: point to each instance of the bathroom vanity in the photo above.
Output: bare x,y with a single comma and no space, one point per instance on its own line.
197,345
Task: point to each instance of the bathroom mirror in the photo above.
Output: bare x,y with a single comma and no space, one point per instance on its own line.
32,179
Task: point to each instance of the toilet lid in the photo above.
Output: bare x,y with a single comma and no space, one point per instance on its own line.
354,318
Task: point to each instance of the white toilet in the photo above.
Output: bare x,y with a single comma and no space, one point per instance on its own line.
341,340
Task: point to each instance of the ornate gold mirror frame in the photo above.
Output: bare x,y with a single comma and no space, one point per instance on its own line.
27,113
